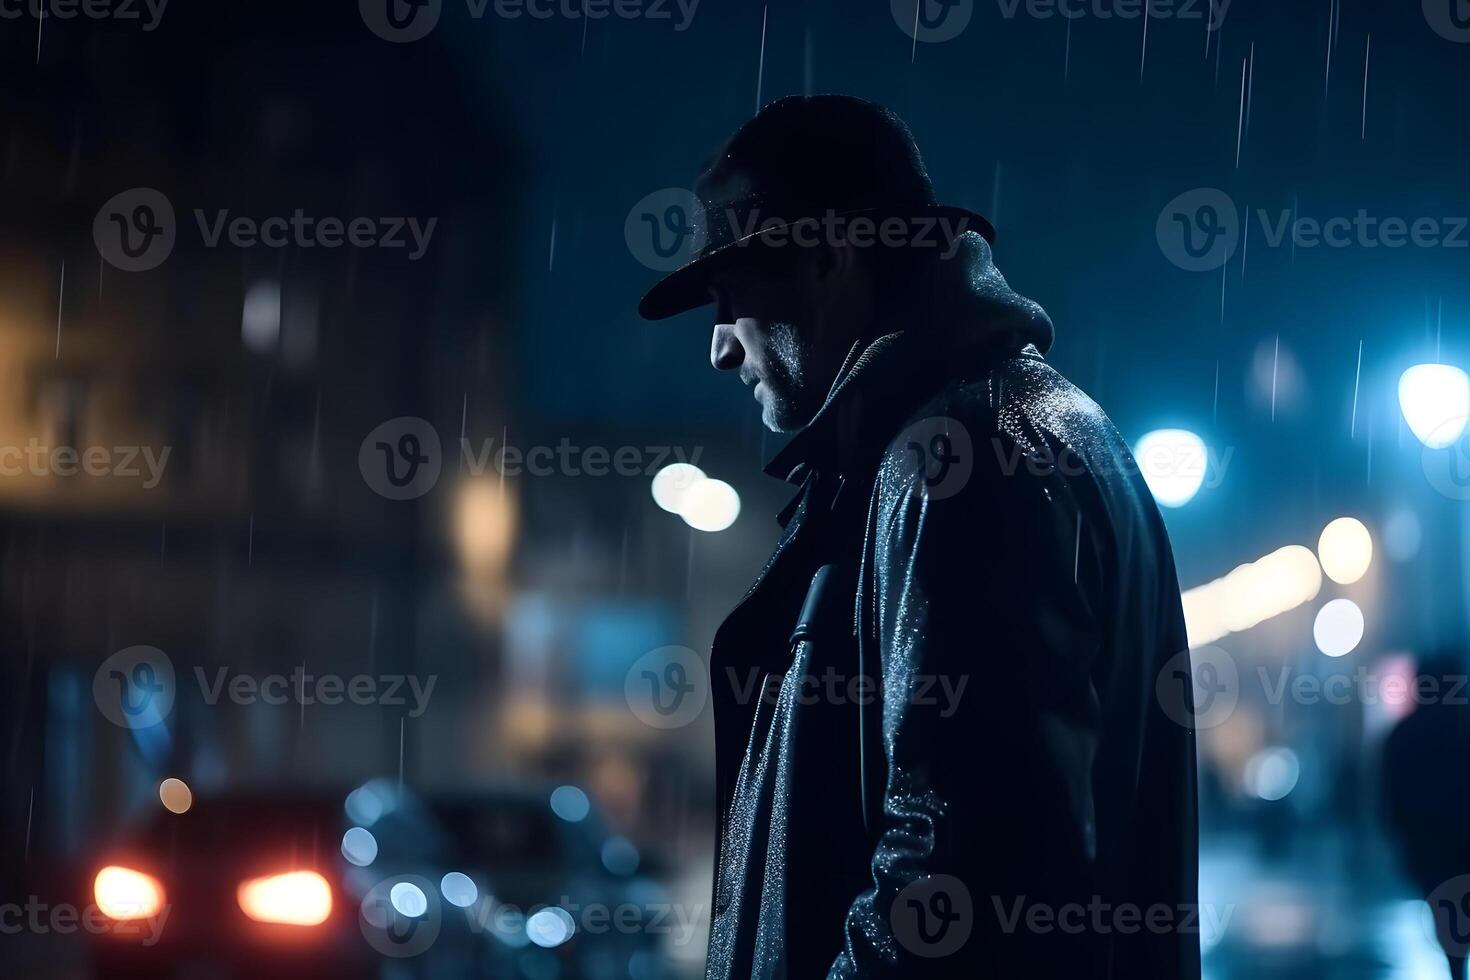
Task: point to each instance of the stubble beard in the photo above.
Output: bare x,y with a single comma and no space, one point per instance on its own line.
787,405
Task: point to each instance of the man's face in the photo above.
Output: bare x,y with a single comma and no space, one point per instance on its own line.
764,330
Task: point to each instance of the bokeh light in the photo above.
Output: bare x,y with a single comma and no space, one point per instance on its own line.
359,846
710,505
550,927
1338,628
1345,550
175,795
297,898
122,893
1435,400
409,899
1173,463
1272,773
458,889
570,803
672,482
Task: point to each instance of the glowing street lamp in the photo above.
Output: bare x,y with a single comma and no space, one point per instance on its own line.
1435,400
1173,463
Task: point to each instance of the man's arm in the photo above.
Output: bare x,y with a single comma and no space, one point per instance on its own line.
985,639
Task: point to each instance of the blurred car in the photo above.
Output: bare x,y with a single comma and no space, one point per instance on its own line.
530,884
513,882
234,884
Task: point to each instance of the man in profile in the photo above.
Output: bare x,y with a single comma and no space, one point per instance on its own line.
957,764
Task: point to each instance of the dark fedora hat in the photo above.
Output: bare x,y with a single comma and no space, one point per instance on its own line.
801,163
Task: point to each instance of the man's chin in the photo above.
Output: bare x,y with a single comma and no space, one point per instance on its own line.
776,424
778,417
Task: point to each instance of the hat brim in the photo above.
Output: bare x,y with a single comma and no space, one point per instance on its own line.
688,287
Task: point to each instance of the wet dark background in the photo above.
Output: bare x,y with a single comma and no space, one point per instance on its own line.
529,598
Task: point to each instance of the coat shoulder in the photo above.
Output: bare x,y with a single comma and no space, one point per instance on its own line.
993,415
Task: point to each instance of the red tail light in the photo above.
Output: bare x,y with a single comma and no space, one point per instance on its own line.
122,893
297,898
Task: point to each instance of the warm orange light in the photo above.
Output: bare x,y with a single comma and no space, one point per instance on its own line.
123,893
297,898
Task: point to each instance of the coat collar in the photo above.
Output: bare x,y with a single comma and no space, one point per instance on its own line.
959,311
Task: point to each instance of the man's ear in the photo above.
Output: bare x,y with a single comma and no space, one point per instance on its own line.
831,266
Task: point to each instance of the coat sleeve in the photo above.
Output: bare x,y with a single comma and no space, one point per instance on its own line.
985,638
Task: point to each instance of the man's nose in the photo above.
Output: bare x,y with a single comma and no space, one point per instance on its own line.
725,352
